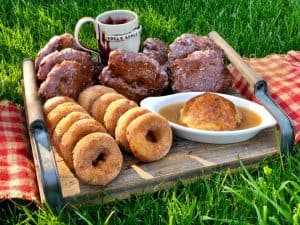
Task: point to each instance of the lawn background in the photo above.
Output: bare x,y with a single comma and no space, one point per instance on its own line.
268,194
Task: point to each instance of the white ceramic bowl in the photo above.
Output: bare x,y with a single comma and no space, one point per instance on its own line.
216,137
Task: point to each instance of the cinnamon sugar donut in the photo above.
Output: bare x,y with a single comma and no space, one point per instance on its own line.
51,103
100,105
90,94
113,113
97,159
123,122
65,124
149,137
60,112
77,131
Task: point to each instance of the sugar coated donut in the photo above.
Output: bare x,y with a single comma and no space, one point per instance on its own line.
101,103
97,159
59,112
149,137
113,113
90,94
51,103
123,122
65,124
77,131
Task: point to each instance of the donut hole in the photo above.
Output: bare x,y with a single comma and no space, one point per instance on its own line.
100,158
151,136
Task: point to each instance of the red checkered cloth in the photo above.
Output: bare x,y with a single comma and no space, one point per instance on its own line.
17,171
282,73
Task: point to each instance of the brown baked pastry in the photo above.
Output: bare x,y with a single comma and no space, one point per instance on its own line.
149,137
64,124
156,49
100,105
134,75
58,57
113,113
188,43
201,71
77,130
87,97
210,112
123,123
59,112
97,159
68,78
52,103
56,43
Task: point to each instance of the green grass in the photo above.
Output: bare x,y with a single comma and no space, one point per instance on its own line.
268,194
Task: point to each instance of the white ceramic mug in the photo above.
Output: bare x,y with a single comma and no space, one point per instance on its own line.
115,29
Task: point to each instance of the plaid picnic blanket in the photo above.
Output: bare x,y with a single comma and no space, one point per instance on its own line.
17,171
282,73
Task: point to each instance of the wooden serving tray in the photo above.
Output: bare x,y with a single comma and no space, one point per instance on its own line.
186,161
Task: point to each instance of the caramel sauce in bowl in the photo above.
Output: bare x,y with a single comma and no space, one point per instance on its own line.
255,118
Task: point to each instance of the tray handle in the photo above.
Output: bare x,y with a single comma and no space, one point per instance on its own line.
47,174
259,85
32,99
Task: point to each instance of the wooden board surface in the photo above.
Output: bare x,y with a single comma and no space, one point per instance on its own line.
186,161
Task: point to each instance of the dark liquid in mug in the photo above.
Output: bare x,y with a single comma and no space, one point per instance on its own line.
112,21
104,49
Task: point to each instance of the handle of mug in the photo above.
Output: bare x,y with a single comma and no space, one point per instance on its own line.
77,31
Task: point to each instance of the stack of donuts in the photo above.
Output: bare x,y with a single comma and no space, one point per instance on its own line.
82,141
88,134
145,134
